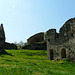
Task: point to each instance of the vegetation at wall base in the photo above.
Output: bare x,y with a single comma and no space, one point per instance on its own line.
33,62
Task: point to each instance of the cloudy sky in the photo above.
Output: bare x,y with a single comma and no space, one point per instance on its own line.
24,18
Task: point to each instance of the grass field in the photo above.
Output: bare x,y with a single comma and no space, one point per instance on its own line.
31,62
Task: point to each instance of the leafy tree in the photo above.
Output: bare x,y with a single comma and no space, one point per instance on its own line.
26,43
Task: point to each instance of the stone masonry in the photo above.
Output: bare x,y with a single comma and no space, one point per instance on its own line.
2,38
62,45
10,46
36,42
39,37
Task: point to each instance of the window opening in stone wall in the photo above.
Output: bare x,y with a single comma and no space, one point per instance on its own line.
48,40
72,34
63,53
51,54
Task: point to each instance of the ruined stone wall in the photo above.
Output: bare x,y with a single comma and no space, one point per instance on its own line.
36,46
36,38
9,46
2,37
51,36
62,45
36,42
65,33
57,50
67,30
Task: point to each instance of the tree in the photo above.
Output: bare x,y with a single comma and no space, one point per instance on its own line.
25,43
19,45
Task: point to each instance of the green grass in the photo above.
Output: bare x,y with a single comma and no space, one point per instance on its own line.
31,62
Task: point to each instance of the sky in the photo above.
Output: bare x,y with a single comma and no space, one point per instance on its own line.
24,18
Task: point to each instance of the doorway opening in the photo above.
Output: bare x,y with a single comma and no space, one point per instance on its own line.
63,53
51,54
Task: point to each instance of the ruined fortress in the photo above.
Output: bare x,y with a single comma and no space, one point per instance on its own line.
62,45
59,45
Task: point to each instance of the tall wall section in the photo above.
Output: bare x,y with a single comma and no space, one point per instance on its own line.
62,41
66,32
2,38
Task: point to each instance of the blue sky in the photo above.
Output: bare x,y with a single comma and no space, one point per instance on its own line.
24,18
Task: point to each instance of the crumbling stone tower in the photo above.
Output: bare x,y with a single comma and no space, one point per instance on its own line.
62,45
2,38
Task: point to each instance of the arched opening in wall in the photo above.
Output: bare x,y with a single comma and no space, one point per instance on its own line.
51,54
63,53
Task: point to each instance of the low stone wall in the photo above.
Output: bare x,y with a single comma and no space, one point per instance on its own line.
36,46
9,46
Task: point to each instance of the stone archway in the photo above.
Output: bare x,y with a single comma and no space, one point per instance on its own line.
63,53
51,54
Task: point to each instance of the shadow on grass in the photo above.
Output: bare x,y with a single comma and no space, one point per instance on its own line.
3,52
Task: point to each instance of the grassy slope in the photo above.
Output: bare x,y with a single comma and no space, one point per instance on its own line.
30,62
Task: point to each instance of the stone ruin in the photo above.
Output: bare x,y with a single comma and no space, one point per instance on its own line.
10,46
36,42
39,37
62,45
2,38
